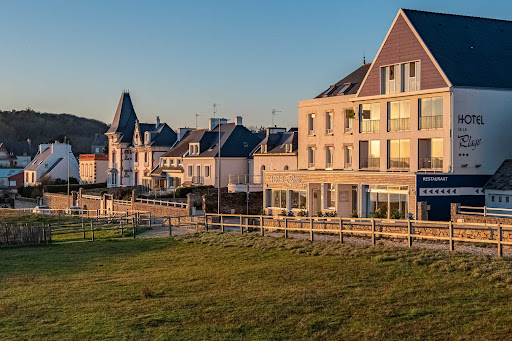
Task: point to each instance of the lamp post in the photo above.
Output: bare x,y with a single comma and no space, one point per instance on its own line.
220,168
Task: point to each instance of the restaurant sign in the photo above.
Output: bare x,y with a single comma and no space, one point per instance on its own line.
287,180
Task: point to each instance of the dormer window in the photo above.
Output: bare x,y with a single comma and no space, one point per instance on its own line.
344,88
193,149
263,148
147,137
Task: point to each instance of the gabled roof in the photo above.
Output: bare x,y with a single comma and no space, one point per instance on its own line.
236,141
502,179
124,119
276,143
471,51
17,148
100,140
348,85
34,164
165,136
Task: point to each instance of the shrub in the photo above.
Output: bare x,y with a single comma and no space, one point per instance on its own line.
354,214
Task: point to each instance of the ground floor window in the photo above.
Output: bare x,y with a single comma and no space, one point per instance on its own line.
390,202
279,198
330,195
299,199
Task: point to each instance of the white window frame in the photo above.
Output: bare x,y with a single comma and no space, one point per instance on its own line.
190,171
311,160
329,122
329,157
311,124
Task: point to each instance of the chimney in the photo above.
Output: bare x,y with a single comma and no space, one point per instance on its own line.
214,121
238,120
157,121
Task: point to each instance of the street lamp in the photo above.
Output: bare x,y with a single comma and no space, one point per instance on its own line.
219,176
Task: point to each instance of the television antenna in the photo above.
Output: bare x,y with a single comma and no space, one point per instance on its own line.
197,115
215,105
274,112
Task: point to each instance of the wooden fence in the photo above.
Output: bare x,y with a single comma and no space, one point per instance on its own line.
408,230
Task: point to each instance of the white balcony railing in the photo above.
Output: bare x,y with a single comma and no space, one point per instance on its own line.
329,131
244,179
197,180
328,165
311,132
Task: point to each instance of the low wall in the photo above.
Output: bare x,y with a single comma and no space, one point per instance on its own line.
25,203
160,211
56,201
470,218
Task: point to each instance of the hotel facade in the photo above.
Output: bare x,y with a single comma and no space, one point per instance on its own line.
422,126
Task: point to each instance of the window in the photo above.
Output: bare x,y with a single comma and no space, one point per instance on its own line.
311,124
329,116
190,171
349,117
431,113
343,89
400,78
492,198
146,157
330,195
207,171
285,167
348,156
329,155
369,154
298,199
279,198
430,153
311,157
499,198
33,176
369,115
136,176
399,154
398,115
27,177
136,157
193,149
507,199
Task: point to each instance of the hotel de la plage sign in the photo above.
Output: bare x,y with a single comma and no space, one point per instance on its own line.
287,180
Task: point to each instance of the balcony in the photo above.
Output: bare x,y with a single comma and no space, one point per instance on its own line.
328,165
197,180
431,122
311,165
431,163
329,131
311,132
244,182
348,130
369,126
399,163
399,124
370,163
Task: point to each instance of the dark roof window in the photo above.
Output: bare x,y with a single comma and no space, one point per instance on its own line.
344,88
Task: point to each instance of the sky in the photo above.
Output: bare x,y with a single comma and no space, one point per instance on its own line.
178,58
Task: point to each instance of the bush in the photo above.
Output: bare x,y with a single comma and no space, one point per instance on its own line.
354,214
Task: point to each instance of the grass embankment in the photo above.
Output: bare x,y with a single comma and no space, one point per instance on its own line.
218,287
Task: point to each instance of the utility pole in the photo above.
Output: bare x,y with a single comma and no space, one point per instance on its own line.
68,151
274,112
219,177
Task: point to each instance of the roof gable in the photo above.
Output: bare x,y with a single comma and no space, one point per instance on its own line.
124,119
472,51
403,44
502,179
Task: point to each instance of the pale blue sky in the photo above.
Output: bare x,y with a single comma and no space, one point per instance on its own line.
177,58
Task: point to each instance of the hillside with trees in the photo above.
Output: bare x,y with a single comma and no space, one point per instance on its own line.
45,128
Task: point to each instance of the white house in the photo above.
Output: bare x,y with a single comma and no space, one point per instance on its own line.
51,162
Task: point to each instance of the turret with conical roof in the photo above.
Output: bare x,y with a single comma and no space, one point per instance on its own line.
124,119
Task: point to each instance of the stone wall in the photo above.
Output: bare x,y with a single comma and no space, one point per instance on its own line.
236,201
160,211
56,201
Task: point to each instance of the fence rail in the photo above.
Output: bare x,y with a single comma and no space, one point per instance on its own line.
162,202
410,230
485,211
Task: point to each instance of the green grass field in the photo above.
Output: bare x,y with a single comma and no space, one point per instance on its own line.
230,287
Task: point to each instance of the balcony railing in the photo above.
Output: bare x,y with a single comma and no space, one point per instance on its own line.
311,132
370,163
348,130
197,180
399,124
311,165
348,165
328,165
431,122
243,179
399,163
431,163
369,126
329,131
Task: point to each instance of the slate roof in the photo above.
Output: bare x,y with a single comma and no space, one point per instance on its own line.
8,172
276,143
124,119
38,158
502,179
472,51
236,141
165,135
100,140
18,148
353,81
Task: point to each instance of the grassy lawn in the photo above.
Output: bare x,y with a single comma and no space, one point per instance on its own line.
219,287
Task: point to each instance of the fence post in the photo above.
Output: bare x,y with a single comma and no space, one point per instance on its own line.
285,227
49,233
341,230
206,222
92,231
262,229
373,231
409,237
241,225
133,227
44,234
170,227
121,226
451,236
311,235
83,227
149,219
485,211
500,238
222,223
